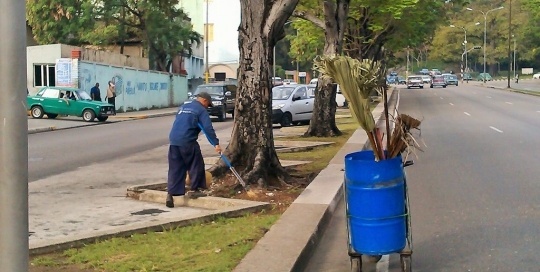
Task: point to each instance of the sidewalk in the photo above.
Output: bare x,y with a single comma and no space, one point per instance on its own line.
90,203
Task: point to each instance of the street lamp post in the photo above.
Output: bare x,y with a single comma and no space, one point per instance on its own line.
207,71
514,56
466,68
485,34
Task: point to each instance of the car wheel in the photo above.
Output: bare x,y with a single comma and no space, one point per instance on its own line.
88,115
431,86
103,118
457,84
421,87
408,87
286,120
444,86
223,115
37,112
51,115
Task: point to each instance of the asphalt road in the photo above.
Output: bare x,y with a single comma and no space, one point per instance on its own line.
58,151
473,191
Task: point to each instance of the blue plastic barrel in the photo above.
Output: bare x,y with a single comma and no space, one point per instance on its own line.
375,193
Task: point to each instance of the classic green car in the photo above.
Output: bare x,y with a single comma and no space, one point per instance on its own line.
54,101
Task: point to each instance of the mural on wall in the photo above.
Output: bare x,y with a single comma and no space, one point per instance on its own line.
135,89
118,83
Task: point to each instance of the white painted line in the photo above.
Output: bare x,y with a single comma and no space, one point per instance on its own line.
538,111
496,129
441,97
509,103
466,113
488,96
451,104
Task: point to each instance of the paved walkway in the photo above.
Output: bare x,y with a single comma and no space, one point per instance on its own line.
90,203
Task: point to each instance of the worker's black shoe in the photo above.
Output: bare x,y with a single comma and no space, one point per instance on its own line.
170,201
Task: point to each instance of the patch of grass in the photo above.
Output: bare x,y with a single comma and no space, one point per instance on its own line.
215,246
321,156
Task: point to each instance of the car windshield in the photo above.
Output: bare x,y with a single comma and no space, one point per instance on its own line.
83,95
452,77
415,78
211,90
282,93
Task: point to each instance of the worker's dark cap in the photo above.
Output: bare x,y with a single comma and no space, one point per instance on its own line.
206,96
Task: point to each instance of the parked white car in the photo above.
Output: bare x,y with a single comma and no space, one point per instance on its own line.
340,98
291,104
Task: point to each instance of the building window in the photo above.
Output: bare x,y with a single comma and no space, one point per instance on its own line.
44,75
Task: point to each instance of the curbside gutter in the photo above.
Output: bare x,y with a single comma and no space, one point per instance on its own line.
291,241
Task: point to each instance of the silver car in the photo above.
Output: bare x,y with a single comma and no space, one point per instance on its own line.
415,81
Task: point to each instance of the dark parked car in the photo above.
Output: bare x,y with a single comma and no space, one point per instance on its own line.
53,101
438,80
223,98
487,77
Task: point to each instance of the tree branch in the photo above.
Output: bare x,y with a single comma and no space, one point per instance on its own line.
309,17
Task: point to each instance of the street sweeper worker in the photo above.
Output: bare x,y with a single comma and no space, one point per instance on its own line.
184,150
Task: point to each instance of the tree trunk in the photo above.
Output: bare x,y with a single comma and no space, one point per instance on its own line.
323,121
251,148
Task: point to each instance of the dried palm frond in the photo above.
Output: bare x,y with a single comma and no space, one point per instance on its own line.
357,80
402,139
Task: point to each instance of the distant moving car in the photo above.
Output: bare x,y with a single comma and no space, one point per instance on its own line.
451,79
481,77
401,80
415,81
467,77
426,79
424,71
54,101
438,81
536,76
291,104
223,98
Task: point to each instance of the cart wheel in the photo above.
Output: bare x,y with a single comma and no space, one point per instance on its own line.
406,263
356,264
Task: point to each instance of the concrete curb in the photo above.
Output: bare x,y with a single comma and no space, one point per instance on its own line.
291,241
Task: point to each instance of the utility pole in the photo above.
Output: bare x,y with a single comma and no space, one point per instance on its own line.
509,41
207,71
13,139
515,69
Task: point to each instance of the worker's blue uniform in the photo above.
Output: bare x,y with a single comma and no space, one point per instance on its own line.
184,151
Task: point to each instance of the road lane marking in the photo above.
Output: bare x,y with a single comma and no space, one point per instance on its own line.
496,129
509,103
441,97
488,96
466,113
452,104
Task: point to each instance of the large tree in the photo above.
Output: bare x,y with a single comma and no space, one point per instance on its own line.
252,142
331,19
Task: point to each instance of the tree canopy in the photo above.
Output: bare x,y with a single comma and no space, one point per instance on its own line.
163,28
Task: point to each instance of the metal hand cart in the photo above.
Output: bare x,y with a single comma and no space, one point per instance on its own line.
405,253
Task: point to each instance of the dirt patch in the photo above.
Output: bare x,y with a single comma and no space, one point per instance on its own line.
279,196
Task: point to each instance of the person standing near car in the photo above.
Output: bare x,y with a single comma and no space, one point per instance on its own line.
95,93
111,95
184,150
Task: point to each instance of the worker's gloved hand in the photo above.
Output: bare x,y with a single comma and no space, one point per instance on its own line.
218,149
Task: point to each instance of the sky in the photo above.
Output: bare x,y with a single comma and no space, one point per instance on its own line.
225,15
